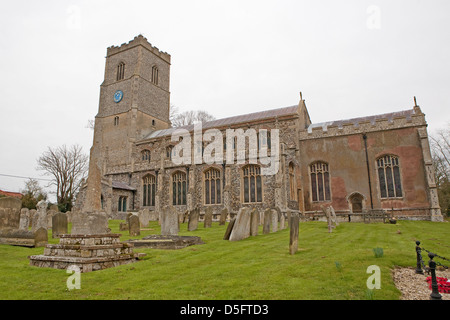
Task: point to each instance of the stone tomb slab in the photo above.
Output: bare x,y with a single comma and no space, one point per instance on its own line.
166,242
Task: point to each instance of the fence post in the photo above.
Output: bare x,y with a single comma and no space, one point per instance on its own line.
435,295
419,258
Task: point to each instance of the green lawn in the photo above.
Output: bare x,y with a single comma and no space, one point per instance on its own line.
327,266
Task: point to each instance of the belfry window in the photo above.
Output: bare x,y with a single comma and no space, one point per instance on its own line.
148,190
252,183
120,71
116,121
320,182
389,177
179,188
155,75
212,186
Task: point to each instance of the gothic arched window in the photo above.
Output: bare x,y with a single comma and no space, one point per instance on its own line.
179,188
320,182
212,186
116,121
252,183
122,206
148,190
120,71
389,177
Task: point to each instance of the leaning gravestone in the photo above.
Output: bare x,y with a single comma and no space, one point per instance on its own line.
241,229
267,220
59,224
134,226
169,222
293,235
24,219
229,229
208,217
223,216
254,222
193,219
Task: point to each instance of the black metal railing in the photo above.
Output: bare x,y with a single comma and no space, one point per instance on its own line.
430,269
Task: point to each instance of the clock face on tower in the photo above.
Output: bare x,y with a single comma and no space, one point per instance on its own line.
118,95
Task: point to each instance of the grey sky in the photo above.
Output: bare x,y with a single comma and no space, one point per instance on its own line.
349,58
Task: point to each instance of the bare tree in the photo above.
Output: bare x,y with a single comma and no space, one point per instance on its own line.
67,166
190,117
440,147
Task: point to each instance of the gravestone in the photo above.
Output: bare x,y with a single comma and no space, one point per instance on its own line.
193,219
10,212
123,226
282,221
293,234
208,217
333,216
50,214
31,214
59,225
254,222
134,226
24,222
169,222
267,220
241,228
84,223
144,217
229,229
223,216
40,217
274,220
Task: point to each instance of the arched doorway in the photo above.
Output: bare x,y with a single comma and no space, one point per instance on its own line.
356,202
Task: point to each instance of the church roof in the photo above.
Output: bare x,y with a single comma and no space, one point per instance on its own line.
356,121
250,117
122,185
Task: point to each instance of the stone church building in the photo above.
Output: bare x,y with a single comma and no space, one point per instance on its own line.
355,165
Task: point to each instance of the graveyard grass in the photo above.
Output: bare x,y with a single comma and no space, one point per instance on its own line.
329,266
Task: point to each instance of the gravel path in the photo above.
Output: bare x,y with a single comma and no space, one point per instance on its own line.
414,286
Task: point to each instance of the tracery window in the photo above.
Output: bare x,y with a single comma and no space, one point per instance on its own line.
389,177
179,188
252,183
320,181
148,190
212,186
146,155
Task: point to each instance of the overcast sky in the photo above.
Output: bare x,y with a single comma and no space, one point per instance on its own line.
349,58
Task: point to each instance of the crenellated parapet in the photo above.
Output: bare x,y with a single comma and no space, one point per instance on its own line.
138,40
388,121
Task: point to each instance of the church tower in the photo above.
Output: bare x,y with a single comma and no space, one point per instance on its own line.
134,100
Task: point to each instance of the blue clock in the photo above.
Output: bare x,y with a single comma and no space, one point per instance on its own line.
118,95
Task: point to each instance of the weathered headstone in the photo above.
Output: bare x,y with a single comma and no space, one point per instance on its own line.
229,229
10,212
208,217
254,222
24,219
267,220
144,217
59,225
169,222
123,226
241,229
282,221
293,234
333,217
193,219
50,214
89,223
40,217
134,226
223,216
274,220
31,214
